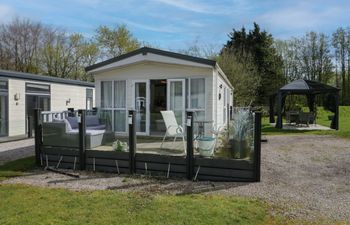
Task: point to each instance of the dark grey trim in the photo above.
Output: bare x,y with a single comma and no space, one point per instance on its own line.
35,77
145,50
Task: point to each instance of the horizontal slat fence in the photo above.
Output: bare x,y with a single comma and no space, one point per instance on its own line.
59,156
161,165
107,161
223,169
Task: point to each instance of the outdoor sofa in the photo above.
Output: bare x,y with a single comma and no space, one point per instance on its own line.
65,133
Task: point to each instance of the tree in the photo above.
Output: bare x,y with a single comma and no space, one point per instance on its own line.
256,47
241,75
341,45
20,40
115,41
307,57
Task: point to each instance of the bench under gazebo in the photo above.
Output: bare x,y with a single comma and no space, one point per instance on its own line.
310,89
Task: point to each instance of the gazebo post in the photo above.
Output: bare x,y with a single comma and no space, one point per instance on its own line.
271,111
335,125
279,123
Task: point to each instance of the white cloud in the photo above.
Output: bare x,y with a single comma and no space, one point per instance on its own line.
216,7
164,29
303,16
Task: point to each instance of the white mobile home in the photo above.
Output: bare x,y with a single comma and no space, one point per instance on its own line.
20,93
151,80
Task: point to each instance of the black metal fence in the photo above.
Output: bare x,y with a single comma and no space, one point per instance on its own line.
191,166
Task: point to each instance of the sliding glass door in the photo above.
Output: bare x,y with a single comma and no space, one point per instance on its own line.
141,105
3,115
3,108
177,98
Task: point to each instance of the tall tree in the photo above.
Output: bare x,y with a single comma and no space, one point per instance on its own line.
115,41
341,46
241,75
257,45
20,40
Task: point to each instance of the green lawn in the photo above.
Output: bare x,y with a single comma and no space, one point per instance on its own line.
322,119
16,168
22,204
32,205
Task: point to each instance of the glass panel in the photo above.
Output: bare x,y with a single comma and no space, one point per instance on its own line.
37,88
119,94
99,133
238,140
44,103
3,115
60,132
197,93
177,100
89,103
89,99
119,120
106,94
3,85
105,117
140,106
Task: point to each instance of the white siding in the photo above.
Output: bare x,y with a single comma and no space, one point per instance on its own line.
152,70
60,93
219,108
17,109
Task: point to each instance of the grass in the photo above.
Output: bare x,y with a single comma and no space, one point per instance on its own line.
322,119
29,205
22,204
16,168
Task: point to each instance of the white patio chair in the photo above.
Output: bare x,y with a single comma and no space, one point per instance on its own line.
173,129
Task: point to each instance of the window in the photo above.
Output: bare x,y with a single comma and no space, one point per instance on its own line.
197,97
89,98
113,103
37,88
120,106
106,94
3,86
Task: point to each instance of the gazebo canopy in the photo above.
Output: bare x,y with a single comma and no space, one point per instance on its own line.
303,87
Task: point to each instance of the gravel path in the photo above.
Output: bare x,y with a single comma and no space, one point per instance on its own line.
303,176
13,150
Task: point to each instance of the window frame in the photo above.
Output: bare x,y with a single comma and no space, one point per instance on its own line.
113,109
189,104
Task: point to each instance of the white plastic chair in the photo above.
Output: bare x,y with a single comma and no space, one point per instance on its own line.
173,129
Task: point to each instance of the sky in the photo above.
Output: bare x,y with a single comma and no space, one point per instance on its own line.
177,24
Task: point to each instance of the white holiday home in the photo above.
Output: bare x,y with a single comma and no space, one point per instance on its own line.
151,80
21,93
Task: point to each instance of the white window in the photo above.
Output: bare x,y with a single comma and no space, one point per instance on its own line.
120,106
106,94
113,103
197,97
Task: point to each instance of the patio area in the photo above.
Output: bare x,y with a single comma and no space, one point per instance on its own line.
288,126
150,145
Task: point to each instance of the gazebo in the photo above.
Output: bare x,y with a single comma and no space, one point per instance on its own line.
310,89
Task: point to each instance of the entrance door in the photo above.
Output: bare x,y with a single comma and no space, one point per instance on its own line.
177,98
3,115
36,101
141,105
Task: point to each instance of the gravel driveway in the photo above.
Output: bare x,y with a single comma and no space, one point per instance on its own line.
303,176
